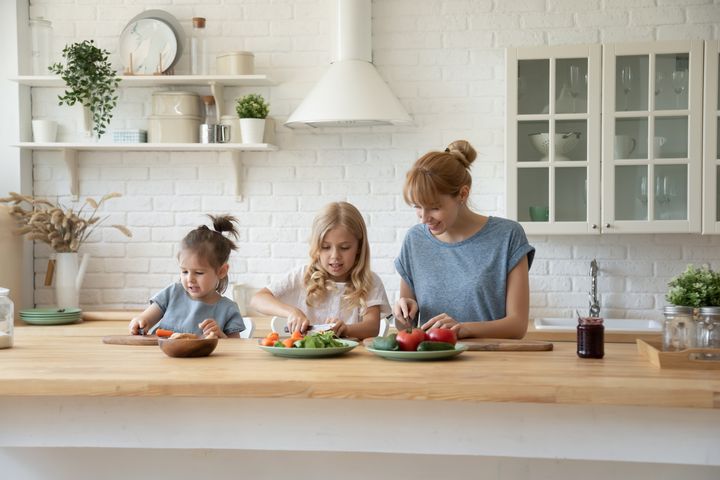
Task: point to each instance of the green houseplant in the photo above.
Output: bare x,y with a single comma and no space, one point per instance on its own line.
252,109
695,287
90,80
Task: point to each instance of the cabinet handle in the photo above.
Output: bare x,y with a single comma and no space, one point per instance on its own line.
594,226
607,225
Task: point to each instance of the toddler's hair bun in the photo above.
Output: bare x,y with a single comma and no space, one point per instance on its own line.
463,151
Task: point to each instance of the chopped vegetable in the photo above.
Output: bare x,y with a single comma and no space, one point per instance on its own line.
319,340
163,333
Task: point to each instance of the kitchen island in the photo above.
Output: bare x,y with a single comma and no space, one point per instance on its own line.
63,390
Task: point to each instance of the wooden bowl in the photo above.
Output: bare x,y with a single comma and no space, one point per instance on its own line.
187,347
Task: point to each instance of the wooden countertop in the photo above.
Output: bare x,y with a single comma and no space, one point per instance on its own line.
72,360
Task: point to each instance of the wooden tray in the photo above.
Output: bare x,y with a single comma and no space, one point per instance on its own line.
689,358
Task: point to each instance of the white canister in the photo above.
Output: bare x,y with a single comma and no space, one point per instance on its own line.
176,103
235,63
169,129
7,318
44,131
234,123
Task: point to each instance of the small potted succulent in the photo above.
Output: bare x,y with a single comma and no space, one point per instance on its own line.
252,110
90,81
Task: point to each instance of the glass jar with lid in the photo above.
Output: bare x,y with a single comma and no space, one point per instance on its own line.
7,316
678,328
41,40
710,328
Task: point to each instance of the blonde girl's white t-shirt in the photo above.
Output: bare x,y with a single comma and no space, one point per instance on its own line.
291,290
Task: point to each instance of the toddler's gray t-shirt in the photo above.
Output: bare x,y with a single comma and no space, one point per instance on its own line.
468,279
183,314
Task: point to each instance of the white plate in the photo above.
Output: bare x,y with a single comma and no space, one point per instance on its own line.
611,325
150,41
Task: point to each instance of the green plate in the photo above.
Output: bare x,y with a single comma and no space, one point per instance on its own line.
50,312
51,320
311,352
417,356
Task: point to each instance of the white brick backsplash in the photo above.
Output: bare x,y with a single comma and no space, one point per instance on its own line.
444,59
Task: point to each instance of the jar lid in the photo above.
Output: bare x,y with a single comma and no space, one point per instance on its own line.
710,310
4,291
198,22
174,92
675,309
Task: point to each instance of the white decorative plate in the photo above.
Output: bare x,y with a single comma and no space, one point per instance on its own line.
151,43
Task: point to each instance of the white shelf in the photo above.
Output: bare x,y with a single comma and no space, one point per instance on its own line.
139,81
69,152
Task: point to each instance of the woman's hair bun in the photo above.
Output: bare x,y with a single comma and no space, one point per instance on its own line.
463,151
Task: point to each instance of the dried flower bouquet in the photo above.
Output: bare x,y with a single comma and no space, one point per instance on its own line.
60,227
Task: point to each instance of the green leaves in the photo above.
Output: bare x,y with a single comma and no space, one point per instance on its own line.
252,106
695,287
91,81
319,340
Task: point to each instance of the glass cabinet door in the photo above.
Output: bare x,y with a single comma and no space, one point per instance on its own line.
711,164
553,138
651,137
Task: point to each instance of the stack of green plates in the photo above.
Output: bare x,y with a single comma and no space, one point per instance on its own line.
50,316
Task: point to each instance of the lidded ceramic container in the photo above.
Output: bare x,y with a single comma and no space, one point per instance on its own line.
176,103
235,63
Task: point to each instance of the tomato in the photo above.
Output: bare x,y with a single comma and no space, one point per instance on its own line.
442,335
408,340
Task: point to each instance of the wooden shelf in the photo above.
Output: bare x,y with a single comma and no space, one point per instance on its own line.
140,81
69,153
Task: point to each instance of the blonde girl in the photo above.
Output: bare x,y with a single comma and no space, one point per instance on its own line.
460,269
336,288
195,304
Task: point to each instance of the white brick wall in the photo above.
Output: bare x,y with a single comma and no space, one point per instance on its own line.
445,61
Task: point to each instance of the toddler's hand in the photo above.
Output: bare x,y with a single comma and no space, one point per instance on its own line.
405,310
136,324
209,325
297,321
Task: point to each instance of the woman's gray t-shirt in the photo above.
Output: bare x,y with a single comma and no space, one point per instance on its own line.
468,279
183,314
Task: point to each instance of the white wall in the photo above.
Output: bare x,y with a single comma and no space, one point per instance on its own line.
445,61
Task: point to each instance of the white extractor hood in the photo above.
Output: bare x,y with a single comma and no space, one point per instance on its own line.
351,93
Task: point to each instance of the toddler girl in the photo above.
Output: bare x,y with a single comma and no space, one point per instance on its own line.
337,286
195,304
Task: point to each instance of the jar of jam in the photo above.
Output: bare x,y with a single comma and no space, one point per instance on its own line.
590,337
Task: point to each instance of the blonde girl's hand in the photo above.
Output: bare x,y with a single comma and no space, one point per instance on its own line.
442,321
405,311
297,321
136,324
209,325
339,326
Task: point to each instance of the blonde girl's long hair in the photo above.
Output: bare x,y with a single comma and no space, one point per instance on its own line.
439,173
316,280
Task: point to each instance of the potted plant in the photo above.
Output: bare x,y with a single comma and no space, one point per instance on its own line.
252,111
91,81
64,229
695,287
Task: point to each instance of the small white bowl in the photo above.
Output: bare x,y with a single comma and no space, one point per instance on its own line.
564,142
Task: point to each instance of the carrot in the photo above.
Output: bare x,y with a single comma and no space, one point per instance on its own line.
268,342
163,333
274,336
289,342
296,335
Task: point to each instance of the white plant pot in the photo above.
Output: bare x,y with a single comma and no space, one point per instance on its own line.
252,129
69,274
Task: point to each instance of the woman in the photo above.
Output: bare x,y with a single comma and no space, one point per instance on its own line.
459,269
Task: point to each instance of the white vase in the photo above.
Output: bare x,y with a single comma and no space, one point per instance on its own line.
253,130
69,274
87,122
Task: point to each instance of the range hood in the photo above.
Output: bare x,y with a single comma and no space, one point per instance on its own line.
351,93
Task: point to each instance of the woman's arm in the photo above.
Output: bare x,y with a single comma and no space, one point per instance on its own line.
369,326
266,303
517,311
146,319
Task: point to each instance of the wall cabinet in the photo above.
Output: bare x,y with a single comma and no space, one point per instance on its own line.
619,147
216,83
711,144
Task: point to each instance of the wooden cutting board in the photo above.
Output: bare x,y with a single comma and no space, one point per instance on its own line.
131,339
498,345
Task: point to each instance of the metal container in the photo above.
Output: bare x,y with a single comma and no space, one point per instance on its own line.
214,133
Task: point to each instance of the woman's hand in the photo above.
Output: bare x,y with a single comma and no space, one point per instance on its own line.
405,310
339,326
209,325
297,321
446,321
